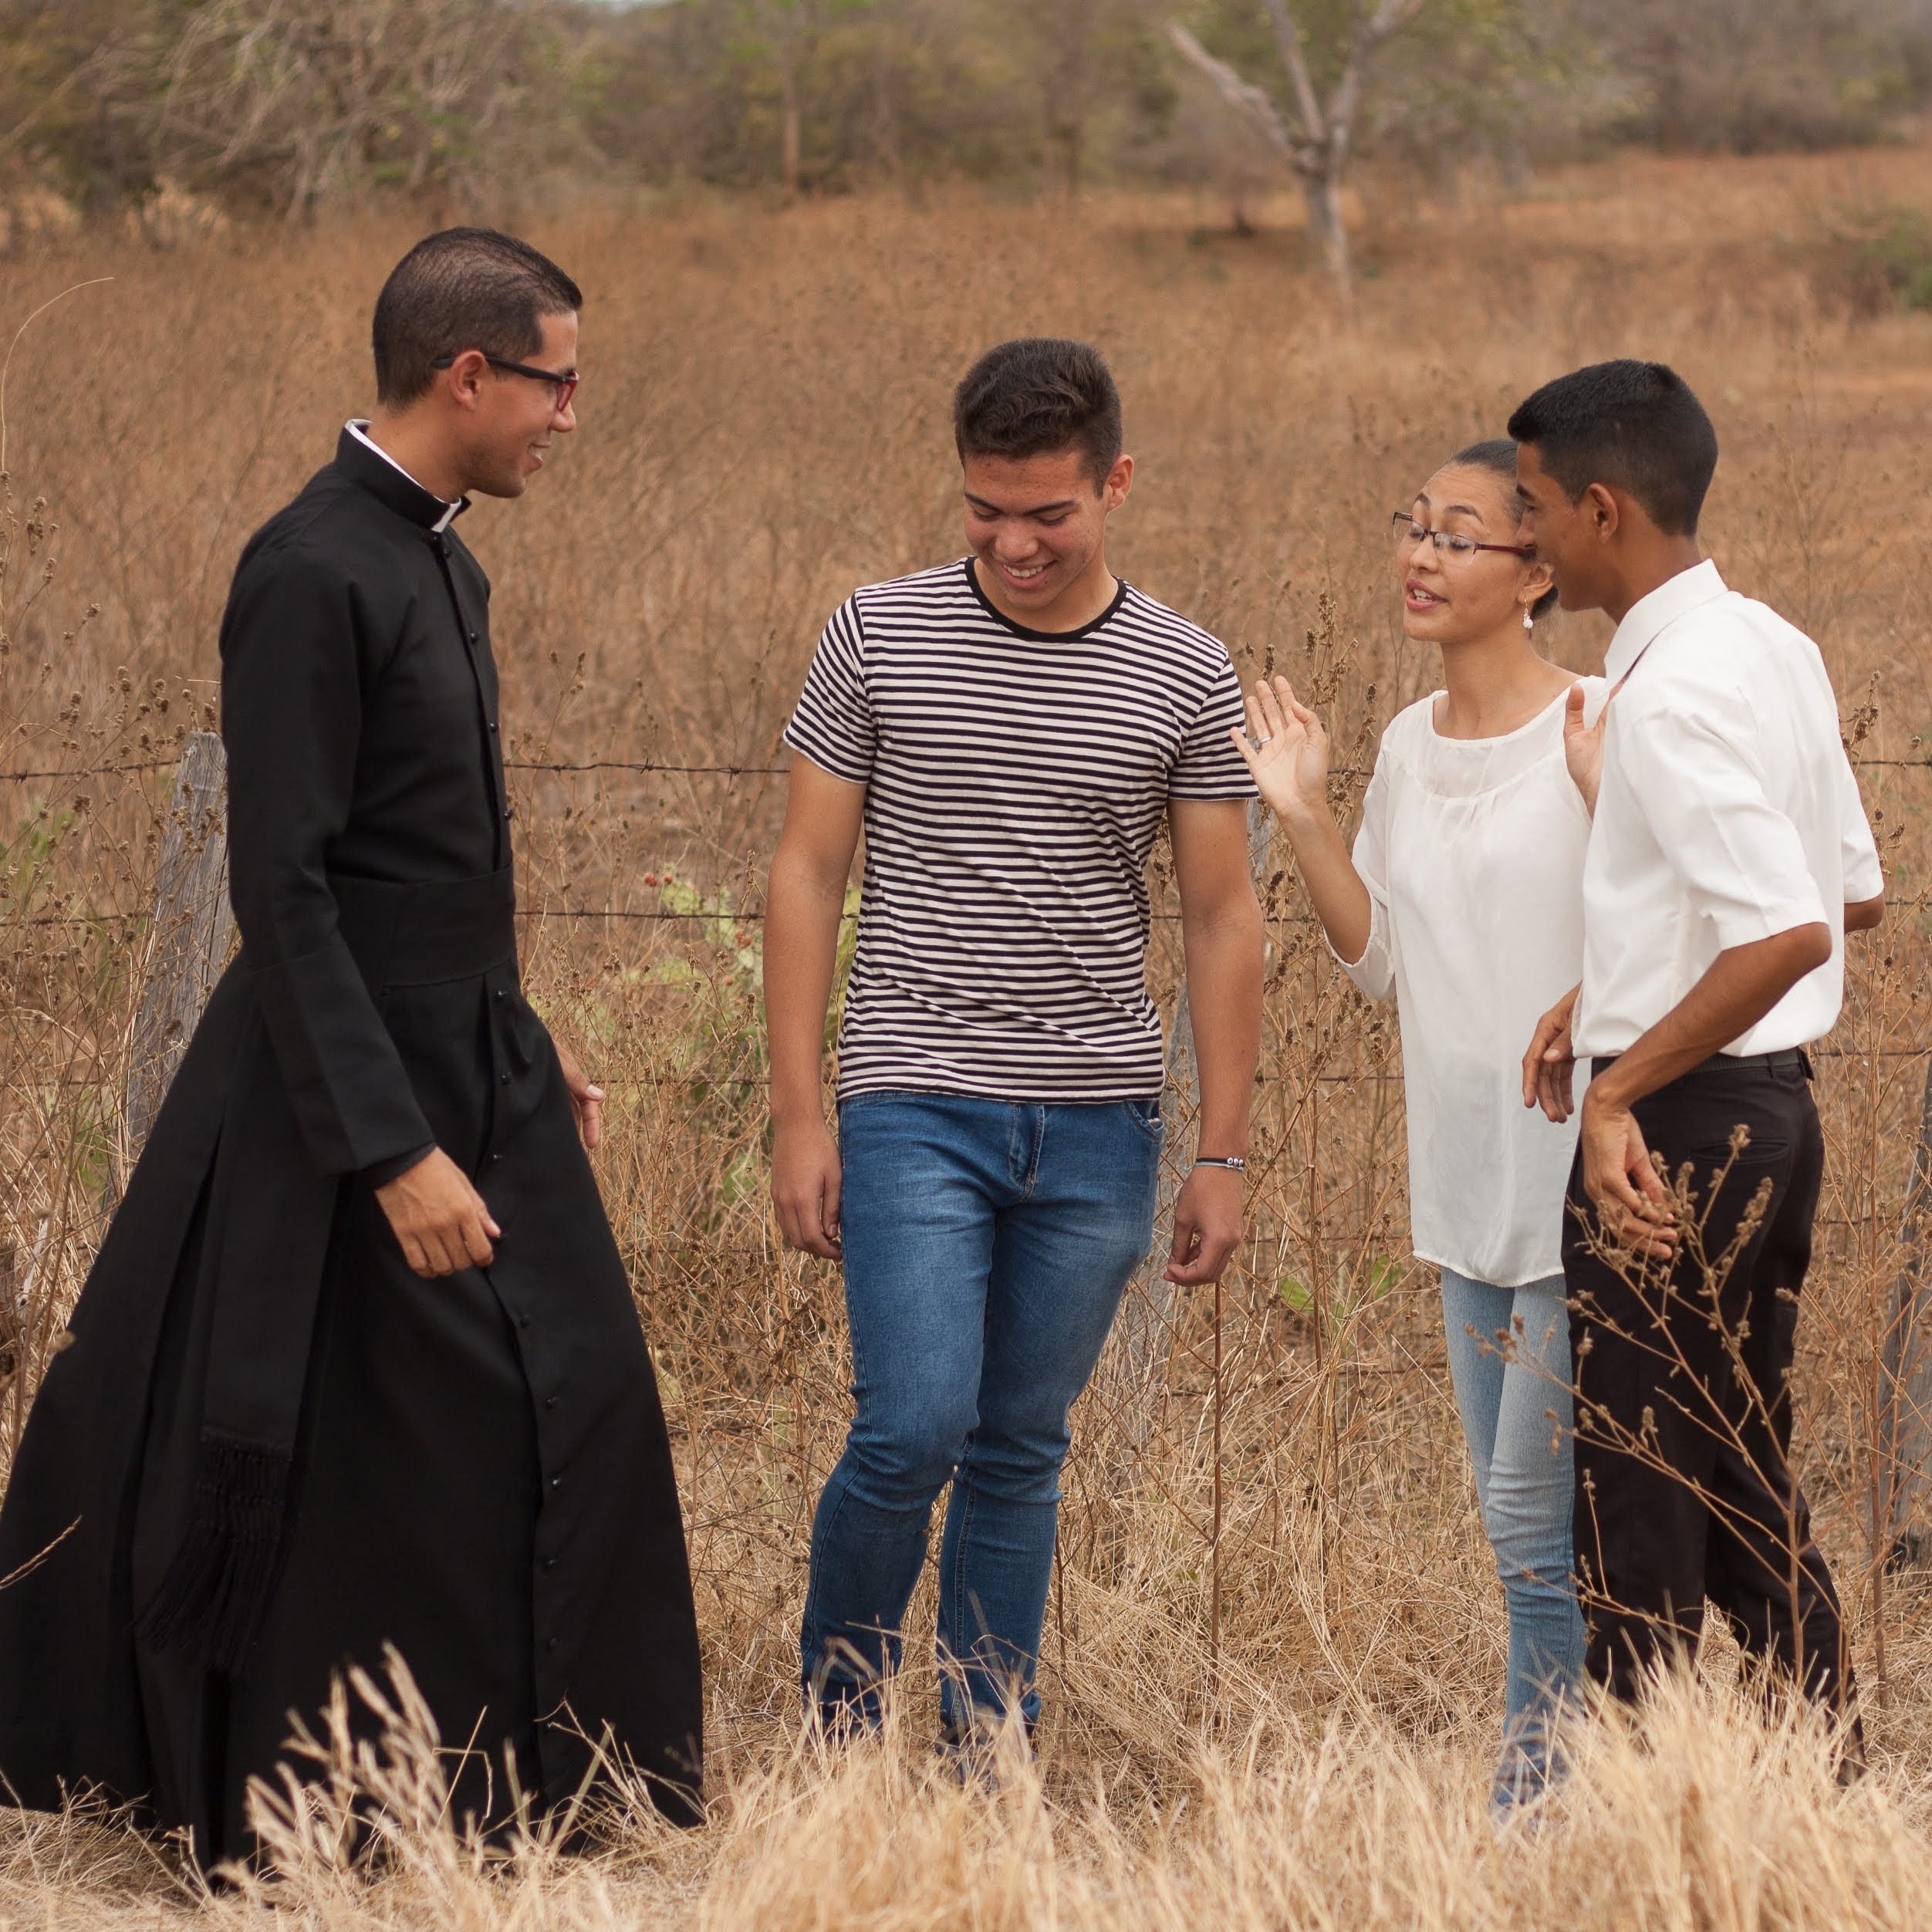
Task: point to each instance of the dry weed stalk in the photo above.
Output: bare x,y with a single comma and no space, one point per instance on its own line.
1670,1310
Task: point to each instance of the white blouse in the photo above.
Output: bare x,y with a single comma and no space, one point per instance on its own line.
1472,852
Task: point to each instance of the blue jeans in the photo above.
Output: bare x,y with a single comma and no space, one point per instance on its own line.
987,1244
1512,1383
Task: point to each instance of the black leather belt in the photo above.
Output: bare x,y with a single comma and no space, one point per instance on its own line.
1786,1060
421,934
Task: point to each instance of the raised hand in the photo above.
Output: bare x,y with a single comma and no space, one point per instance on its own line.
1583,746
1290,758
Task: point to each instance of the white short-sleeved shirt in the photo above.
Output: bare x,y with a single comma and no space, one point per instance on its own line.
1472,852
1015,782
1728,812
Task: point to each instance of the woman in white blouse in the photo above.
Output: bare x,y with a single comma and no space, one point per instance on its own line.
1463,896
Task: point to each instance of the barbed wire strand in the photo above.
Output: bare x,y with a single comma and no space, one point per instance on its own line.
652,765
706,1077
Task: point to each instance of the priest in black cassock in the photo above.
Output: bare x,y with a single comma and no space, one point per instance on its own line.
358,1364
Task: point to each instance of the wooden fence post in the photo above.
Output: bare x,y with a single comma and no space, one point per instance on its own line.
192,929
1905,1362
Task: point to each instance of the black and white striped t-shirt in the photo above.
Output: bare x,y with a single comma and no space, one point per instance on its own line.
1016,781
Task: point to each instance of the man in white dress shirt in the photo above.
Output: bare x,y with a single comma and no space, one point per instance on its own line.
1729,857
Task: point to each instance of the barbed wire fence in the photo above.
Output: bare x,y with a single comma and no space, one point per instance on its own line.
185,935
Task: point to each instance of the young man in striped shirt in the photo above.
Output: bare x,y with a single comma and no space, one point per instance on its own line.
1008,732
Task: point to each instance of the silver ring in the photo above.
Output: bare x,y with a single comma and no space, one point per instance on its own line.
1262,744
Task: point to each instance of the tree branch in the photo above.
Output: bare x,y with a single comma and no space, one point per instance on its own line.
1366,33
1391,17
1287,43
1246,100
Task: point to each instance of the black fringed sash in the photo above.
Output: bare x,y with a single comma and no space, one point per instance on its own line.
272,1219
217,1587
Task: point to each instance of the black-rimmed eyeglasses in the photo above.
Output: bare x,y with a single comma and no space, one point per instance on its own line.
1410,534
566,385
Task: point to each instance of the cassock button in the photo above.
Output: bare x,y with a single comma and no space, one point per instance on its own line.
472,637
492,724
506,1079
506,812
501,994
549,1562
556,1482
550,1644
549,1401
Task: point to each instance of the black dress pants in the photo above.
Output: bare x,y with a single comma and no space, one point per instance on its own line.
1684,1488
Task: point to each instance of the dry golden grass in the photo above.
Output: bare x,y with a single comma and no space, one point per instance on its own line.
1286,1723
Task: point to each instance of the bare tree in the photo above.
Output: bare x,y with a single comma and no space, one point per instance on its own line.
1316,142
1102,66
789,30
306,101
1071,28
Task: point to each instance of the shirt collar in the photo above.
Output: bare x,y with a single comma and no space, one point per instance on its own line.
1648,619
435,513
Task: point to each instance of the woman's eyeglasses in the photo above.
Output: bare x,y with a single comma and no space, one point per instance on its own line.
1411,535
564,385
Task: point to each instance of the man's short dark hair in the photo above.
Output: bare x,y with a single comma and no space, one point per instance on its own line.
1633,425
464,289
1038,394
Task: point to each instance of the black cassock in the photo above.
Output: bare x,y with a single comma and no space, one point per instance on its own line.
271,1450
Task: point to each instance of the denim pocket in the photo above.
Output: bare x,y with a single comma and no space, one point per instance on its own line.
1146,1115
875,1096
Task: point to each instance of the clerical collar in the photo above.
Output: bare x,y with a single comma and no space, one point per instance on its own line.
435,513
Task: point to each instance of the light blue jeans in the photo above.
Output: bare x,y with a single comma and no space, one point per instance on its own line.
1509,1359
986,1245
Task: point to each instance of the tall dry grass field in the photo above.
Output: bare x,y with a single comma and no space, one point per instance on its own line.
1274,1653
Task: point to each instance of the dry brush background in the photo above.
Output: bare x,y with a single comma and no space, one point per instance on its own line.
1273,1655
